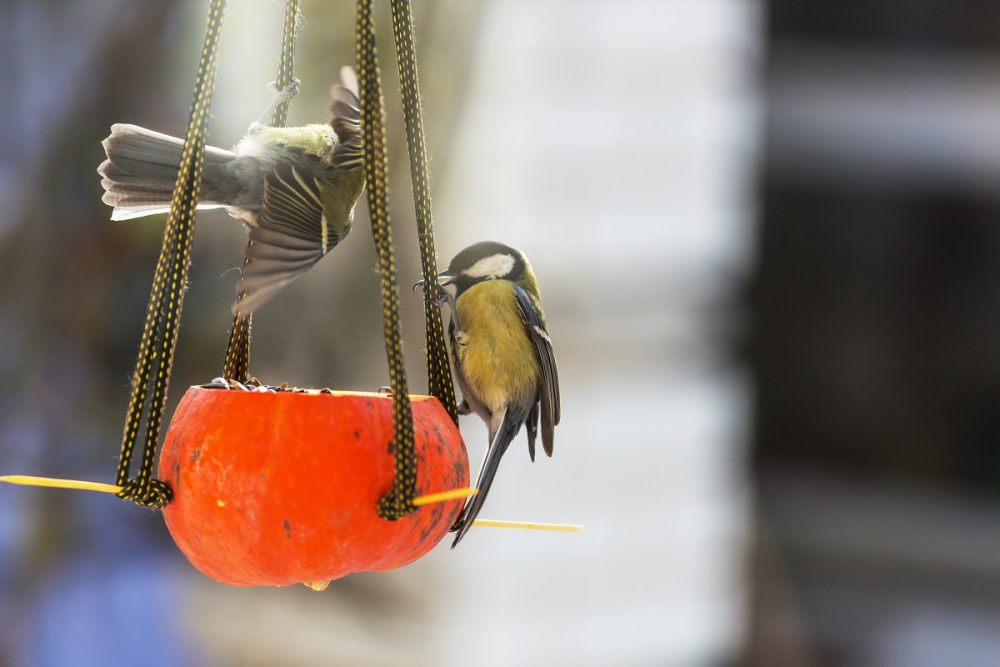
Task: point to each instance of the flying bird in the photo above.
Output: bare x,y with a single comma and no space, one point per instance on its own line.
294,188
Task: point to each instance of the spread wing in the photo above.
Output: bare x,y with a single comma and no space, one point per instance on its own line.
549,390
290,236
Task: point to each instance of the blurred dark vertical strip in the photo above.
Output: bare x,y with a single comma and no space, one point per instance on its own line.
875,331
8,84
66,69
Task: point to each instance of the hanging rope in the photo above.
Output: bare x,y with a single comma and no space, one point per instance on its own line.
399,501
237,364
438,368
286,64
159,333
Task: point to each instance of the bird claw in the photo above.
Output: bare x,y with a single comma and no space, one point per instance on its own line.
443,297
287,93
464,408
282,96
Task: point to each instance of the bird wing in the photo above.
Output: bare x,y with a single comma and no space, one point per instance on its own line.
549,389
532,425
290,236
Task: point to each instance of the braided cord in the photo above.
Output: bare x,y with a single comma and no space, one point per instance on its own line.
438,368
286,63
159,334
237,364
398,502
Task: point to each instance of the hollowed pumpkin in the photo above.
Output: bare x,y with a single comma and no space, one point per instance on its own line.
276,488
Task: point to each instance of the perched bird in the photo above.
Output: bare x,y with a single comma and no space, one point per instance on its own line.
503,355
295,188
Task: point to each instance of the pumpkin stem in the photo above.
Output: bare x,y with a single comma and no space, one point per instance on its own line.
318,586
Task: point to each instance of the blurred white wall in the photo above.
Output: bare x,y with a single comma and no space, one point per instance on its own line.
614,142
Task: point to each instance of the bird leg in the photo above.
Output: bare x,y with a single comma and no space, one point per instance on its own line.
446,298
280,97
443,297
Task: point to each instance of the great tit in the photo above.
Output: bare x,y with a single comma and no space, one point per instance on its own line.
503,355
295,188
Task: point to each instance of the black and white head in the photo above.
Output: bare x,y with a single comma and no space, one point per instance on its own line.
484,261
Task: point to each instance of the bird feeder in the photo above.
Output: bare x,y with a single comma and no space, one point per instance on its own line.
280,487
268,486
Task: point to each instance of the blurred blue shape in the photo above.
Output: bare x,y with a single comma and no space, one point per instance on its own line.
96,613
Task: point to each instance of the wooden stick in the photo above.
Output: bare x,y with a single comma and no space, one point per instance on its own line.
52,482
529,525
444,495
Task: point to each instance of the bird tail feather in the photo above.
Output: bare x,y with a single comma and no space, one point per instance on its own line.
139,175
346,110
501,441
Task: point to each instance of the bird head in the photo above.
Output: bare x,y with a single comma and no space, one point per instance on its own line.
488,260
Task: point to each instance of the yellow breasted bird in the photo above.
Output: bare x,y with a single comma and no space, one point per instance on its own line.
295,188
503,355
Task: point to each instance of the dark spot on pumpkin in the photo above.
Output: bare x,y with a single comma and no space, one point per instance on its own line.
288,528
413,549
177,473
391,448
196,454
357,434
424,534
437,432
459,469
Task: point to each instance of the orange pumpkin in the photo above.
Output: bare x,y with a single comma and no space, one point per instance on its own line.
276,488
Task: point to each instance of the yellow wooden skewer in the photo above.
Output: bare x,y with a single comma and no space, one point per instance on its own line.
444,495
529,525
80,485
52,482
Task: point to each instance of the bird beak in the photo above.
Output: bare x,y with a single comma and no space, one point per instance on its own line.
446,277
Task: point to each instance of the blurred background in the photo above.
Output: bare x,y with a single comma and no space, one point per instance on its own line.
765,234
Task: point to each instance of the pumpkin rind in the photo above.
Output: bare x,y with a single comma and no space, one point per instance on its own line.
276,488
